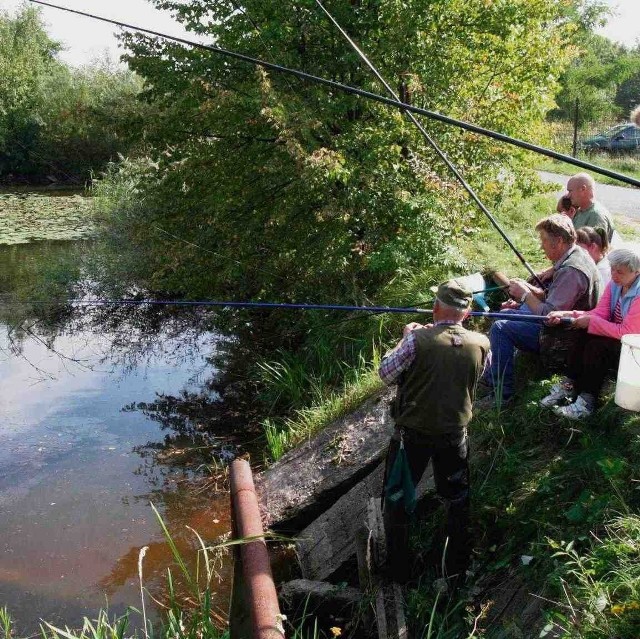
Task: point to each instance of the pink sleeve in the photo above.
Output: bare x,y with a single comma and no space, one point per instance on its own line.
603,307
630,324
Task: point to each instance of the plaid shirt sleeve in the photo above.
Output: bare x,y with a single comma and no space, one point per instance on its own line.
396,361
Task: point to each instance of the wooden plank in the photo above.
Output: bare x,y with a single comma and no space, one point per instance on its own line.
329,541
389,619
309,479
330,604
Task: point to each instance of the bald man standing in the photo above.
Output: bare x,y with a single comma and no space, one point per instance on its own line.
581,189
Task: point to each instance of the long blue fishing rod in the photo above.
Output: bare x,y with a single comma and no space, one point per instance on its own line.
305,307
501,137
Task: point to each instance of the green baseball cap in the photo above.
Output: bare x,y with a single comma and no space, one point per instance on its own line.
454,293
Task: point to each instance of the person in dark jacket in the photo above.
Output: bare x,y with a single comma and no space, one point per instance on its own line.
436,368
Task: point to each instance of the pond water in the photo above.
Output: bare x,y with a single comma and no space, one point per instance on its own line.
78,469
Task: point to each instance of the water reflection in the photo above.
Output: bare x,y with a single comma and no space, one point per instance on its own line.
87,440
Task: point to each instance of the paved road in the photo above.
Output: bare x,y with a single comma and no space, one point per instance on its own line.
620,200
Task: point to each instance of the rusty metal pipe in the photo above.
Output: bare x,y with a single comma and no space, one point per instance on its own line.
260,590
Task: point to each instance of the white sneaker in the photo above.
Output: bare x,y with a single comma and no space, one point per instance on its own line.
580,409
560,392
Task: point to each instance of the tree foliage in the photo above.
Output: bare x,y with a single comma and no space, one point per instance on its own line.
264,186
594,79
628,91
55,120
27,54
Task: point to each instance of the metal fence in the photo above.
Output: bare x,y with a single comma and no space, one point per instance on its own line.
579,138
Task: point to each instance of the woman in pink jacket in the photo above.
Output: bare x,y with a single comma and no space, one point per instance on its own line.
598,349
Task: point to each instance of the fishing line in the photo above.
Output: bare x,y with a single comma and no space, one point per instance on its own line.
434,145
206,250
362,93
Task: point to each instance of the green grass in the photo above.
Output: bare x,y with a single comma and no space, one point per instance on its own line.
327,407
628,165
562,493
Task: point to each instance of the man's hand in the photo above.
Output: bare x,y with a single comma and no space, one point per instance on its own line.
412,326
517,288
544,276
508,305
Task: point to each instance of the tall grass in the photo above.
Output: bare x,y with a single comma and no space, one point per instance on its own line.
187,613
600,584
327,406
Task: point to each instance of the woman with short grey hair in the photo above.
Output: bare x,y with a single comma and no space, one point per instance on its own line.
598,349
627,256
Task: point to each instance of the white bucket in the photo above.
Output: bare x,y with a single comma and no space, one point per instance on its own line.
628,384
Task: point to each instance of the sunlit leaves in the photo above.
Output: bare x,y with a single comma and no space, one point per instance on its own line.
304,193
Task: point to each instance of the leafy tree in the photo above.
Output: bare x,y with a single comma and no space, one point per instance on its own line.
27,54
90,116
628,92
596,79
263,186
56,120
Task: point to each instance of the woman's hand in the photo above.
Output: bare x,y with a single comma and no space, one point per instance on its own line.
581,322
555,317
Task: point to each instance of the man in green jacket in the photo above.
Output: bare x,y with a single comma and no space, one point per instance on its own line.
581,189
436,368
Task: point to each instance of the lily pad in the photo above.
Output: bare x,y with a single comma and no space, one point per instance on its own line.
27,217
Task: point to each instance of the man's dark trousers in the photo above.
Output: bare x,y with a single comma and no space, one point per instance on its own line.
449,456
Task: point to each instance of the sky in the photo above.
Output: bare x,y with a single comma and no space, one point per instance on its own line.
625,26
85,39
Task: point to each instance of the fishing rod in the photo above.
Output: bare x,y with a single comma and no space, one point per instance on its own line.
362,93
434,145
306,307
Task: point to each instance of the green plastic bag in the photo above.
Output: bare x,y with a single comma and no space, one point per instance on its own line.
399,487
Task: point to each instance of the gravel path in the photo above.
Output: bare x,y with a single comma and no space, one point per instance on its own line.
620,200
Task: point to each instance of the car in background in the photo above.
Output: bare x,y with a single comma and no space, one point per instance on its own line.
622,138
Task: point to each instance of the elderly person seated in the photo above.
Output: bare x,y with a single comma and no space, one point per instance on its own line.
598,349
581,189
575,285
